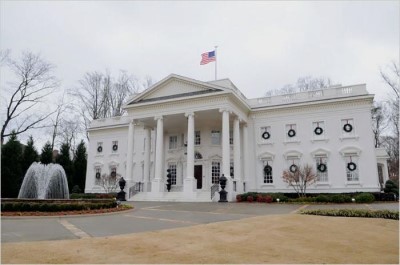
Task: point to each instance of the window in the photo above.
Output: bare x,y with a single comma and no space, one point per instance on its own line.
268,173
99,147
172,168
291,132
265,133
115,146
293,163
230,137
347,127
173,142
318,130
97,176
321,168
232,169
215,137
113,173
197,139
215,171
351,168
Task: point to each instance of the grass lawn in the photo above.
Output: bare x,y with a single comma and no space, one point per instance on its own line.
289,238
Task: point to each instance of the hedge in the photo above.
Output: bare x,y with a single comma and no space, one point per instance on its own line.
93,195
318,198
24,206
386,214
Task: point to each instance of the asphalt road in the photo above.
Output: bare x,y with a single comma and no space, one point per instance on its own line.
148,216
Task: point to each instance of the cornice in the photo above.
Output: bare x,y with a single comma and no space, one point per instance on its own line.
323,105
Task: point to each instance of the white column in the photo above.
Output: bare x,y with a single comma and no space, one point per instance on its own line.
190,146
159,148
236,152
245,155
189,180
129,155
147,155
226,157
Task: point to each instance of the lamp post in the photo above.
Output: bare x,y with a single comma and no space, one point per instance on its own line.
222,193
121,194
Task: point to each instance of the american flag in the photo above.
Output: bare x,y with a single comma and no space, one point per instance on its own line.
207,57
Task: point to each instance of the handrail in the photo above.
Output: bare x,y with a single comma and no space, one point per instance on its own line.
136,188
214,188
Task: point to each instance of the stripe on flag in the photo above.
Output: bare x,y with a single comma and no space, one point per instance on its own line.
207,57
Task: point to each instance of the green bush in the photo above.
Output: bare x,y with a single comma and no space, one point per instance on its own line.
12,206
322,198
365,197
391,187
280,196
303,199
339,198
386,214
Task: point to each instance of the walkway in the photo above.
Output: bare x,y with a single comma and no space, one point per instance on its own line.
148,216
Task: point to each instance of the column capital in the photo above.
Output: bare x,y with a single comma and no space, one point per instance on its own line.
225,110
160,117
190,113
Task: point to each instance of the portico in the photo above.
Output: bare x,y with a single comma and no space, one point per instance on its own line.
189,144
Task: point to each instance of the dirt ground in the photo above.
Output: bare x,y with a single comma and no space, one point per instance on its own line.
275,239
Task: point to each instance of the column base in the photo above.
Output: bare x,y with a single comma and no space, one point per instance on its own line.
156,186
189,188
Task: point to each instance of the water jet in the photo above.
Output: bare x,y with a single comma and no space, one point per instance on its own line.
44,182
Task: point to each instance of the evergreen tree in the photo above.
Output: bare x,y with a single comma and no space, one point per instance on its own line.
80,162
11,167
46,156
64,159
30,155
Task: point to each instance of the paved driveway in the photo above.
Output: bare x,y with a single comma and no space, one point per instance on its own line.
148,216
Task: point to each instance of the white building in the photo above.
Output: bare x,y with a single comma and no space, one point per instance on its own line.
201,130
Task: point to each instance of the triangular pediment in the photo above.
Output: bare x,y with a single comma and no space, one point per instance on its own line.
175,86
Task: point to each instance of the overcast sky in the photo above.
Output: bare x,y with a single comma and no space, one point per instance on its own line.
262,45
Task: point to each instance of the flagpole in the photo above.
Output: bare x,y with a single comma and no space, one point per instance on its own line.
216,62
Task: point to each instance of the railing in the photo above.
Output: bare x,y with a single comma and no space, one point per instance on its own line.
332,92
214,189
138,187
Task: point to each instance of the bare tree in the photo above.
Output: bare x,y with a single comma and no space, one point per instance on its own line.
391,76
100,96
34,82
299,178
378,122
108,182
306,83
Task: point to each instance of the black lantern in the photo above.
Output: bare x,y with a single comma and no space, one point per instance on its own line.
169,179
222,193
121,194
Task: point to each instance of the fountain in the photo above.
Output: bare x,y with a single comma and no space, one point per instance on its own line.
44,182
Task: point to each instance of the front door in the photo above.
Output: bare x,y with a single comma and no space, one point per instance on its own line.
198,175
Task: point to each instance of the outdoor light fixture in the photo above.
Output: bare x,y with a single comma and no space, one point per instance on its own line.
353,200
277,200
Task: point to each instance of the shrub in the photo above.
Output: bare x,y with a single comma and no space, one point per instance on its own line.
268,199
250,198
260,198
322,198
54,206
365,197
280,196
386,214
76,189
340,198
238,198
391,187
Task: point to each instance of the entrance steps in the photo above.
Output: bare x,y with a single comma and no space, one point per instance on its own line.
198,196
